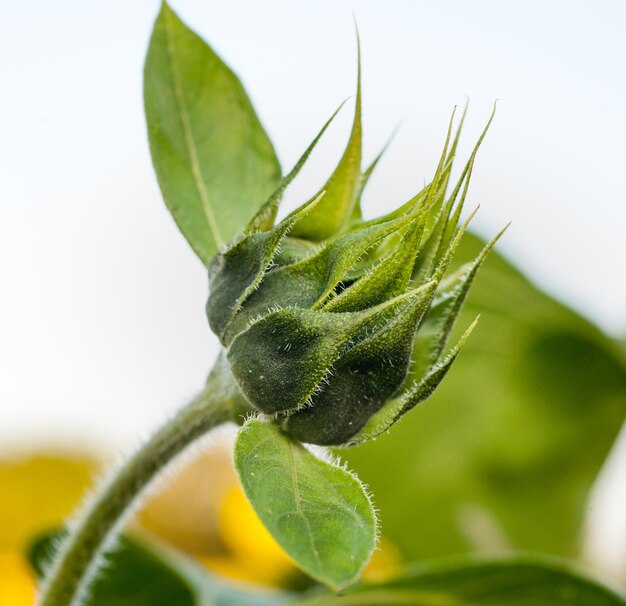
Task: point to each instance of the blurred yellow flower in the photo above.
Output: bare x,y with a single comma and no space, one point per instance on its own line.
185,508
253,555
17,582
201,511
385,564
38,492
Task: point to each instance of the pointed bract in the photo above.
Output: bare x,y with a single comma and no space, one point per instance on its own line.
334,325
235,273
363,378
283,359
382,421
341,189
265,217
438,324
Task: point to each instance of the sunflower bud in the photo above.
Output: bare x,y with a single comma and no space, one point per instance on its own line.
320,313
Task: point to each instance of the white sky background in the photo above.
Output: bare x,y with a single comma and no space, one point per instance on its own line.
102,325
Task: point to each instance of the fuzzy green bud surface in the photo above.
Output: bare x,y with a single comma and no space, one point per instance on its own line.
320,314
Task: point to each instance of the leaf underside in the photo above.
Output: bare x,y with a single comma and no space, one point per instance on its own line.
319,513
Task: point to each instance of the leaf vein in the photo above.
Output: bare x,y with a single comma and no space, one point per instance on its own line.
189,140
298,503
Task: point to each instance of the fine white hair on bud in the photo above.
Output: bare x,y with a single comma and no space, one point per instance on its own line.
334,325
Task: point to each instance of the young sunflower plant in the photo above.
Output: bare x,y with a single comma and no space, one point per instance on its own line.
332,326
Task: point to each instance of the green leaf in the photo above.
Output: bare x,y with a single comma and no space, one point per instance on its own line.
504,454
319,513
214,162
141,572
521,581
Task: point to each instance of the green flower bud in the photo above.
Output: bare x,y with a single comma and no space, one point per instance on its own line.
321,313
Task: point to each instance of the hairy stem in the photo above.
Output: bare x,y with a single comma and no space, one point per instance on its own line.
77,560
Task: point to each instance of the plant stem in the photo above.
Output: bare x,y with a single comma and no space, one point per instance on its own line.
77,561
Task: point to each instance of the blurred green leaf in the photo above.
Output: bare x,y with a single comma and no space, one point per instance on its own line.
214,162
317,512
504,454
142,573
515,582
